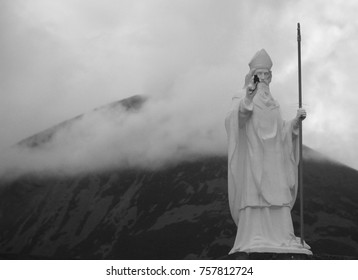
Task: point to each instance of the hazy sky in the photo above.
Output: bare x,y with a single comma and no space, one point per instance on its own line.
61,58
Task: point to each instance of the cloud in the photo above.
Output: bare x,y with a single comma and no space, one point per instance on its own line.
167,129
61,58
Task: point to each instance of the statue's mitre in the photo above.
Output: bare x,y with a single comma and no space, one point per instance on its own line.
261,60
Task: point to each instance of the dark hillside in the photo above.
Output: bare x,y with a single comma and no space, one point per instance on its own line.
176,213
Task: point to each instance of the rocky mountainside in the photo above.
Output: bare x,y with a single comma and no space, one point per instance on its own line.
179,211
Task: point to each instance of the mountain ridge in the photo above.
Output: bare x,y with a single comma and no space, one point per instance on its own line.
133,103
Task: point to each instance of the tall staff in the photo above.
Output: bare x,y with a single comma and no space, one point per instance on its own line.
300,173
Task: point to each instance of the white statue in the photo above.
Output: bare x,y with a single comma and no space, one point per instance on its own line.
262,166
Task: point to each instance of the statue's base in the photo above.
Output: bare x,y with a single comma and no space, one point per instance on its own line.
268,256
259,248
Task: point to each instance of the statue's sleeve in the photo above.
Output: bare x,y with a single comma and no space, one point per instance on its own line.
236,137
245,111
290,145
295,127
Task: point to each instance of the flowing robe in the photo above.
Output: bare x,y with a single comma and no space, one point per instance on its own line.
262,176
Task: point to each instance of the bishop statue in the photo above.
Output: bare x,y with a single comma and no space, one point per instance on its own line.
262,166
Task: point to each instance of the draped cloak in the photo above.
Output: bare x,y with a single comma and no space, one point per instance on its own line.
262,167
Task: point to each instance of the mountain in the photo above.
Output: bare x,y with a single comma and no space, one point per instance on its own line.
176,212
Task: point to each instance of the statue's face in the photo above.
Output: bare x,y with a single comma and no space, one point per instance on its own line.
264,75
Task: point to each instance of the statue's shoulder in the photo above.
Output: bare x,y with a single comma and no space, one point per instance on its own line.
235,101
238,96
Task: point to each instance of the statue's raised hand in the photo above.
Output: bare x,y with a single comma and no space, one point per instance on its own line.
251,88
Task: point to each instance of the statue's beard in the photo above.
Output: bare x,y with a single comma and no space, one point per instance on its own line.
263,91
263,87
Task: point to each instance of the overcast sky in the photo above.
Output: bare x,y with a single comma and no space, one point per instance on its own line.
61,58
